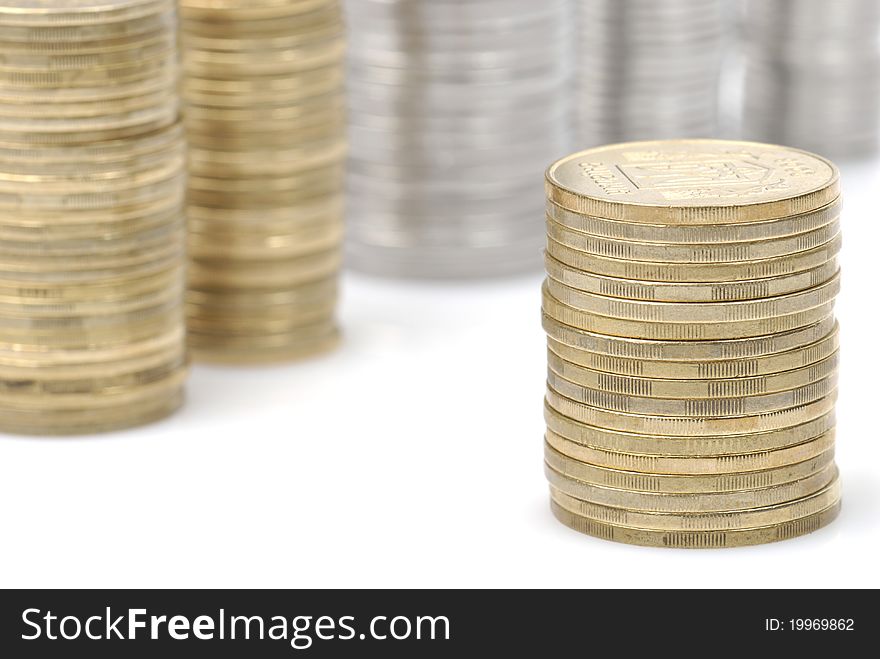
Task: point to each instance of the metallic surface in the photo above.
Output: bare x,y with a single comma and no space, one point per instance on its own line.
692,380
265,118
92,228
456,107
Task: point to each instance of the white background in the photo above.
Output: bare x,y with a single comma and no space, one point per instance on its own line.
411,457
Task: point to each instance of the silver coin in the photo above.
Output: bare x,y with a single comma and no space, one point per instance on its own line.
456,108
812,74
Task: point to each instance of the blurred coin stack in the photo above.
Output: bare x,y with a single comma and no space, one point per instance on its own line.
92,186
648,69
456,106
692,342
265,119
813,74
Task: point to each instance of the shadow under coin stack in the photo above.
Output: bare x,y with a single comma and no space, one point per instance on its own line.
92,186
265,118
692,342
456,108
813,74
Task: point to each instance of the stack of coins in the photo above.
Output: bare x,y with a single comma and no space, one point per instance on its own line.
265,119
456,107
648,69
692,342
92,187
813,74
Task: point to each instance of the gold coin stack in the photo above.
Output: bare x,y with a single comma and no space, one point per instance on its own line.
92,185
692,343
265,119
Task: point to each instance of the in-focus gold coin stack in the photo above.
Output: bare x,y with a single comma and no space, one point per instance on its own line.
692,343
92,185
265,118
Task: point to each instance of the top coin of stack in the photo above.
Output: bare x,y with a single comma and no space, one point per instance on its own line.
265,119
92,185
692,342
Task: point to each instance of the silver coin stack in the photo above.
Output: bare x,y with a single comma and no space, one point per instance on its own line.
813,74
648,69
456,107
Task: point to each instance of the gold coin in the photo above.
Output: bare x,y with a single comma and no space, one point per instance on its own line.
692,389
266,162
77,12
698,361
312,211
259,275
25,61
82,391
115,398
128,328
219,245
695,272
166,139
692,182
697,539
238,301
713,521
158,66
209,12
270,90
741,406
77,422
735,463
682,331
301,344
696,312
693,253
45,363
646,443
204,323
690,234
653,424
266,61
309,28
67,35
686,292
682,483
703,502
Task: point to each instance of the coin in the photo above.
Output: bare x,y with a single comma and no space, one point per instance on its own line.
693,182
682,483
694,253
697,539
698,272
646,443
686,292
455,110
691,388
692,346
737,464
713,521
265,116
795,52
647,69
700,360
682,331
703,502
690,234
91,236
696,312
